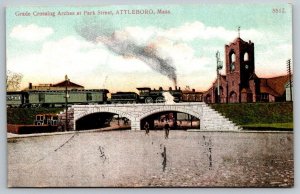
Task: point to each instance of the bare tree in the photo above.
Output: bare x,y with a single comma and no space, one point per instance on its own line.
13,80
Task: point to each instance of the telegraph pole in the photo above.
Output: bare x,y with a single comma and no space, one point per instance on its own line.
66,102
289,71
219,67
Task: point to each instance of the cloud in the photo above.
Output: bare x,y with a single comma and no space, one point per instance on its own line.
196,30
77,58
127,64
57,58
188,32
172,45
272,61
121,43
199,31
182,54
138,34
31,32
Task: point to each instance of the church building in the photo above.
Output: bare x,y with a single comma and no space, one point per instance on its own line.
240,83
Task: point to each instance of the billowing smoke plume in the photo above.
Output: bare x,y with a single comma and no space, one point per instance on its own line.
105,33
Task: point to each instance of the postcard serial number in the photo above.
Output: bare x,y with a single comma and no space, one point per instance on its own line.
278,10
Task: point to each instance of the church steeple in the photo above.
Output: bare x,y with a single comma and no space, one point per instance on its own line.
239,56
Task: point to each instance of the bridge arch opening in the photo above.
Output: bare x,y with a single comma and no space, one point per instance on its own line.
103,120
175,119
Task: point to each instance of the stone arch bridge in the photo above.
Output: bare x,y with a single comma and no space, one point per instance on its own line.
209,118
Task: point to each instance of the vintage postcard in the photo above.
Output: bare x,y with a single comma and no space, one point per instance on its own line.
150,96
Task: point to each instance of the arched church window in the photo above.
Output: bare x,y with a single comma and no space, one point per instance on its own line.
246,56
233,97
232,62
232,57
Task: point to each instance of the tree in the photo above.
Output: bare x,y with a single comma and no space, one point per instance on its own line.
13,80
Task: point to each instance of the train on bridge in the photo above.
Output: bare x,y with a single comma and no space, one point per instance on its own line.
55,96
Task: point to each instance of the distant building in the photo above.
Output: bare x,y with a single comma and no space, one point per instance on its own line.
240,83
191,96
59,86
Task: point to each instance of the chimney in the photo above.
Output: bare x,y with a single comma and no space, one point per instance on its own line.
170,88
193,90
175,87
30,86
160,88
179,88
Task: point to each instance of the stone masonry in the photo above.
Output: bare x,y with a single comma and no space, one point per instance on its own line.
210,119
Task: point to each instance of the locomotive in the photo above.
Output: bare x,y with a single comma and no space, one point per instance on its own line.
124,98
146,95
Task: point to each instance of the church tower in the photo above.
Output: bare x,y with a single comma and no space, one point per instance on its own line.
239,68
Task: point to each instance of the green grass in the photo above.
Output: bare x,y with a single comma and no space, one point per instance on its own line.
276,114
270,125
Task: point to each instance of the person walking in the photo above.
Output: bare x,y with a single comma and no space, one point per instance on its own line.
146,127
167,129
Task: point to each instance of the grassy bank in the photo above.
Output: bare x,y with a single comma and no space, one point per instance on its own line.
258,115
27,115
273,125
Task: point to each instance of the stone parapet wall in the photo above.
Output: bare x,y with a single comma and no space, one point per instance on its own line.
209,118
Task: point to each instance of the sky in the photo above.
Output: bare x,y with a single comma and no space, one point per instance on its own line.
122,51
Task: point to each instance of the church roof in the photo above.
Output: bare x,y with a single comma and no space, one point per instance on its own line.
253,76
275,84
238,39
266,89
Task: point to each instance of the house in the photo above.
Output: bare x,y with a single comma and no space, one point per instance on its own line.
58,86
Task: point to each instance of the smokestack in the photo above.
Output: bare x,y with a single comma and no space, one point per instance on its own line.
179,88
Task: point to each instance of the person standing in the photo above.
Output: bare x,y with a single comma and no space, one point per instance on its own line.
146,127
167,129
